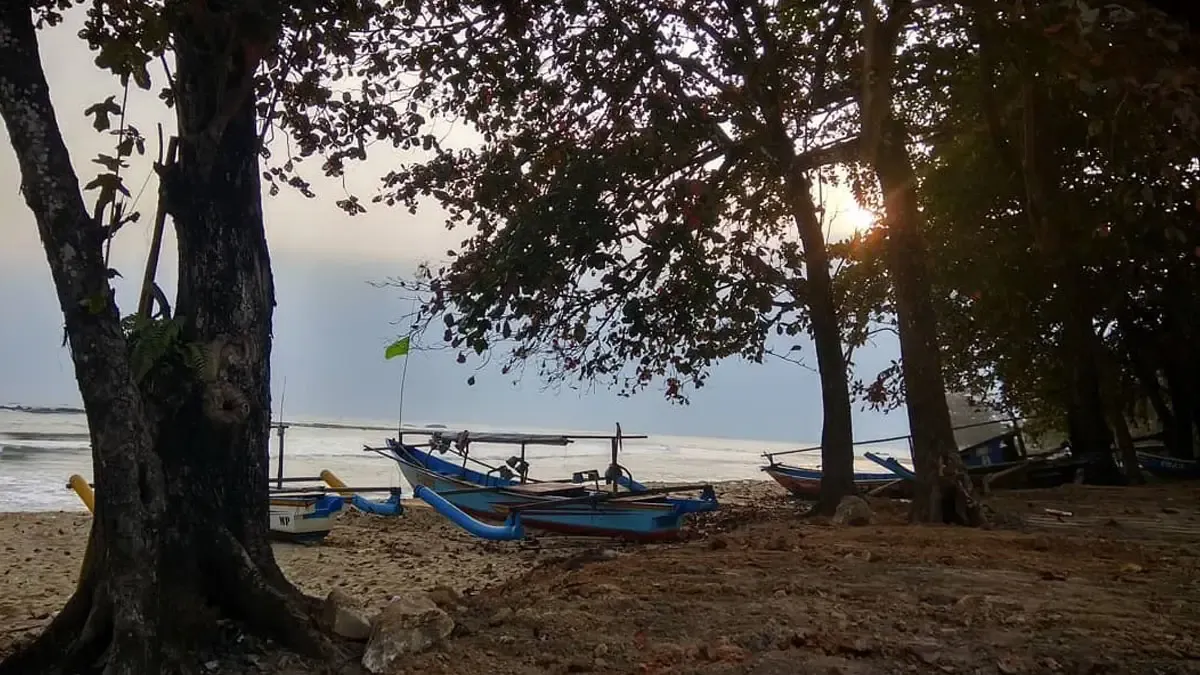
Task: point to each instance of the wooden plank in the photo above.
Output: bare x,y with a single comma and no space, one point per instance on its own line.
885,486
545,488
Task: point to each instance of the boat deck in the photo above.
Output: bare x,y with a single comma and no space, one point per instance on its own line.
546,488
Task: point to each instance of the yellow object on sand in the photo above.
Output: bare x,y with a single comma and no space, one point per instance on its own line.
80,485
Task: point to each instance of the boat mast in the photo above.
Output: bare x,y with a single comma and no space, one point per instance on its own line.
279,429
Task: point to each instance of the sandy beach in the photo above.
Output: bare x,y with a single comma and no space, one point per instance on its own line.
1111,588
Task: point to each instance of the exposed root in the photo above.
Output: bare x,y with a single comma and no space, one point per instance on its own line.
93,638
42,654
99,632
283,614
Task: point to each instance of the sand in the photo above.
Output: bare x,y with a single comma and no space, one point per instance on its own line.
1111,588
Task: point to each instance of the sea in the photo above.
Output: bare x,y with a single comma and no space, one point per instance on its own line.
41,448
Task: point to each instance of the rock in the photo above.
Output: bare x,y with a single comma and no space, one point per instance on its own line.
503,614
411,624
445,597
600,651
343,615
853,511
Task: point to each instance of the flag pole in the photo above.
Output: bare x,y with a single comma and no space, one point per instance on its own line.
403,377
400,412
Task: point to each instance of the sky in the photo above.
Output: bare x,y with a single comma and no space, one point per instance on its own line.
332,323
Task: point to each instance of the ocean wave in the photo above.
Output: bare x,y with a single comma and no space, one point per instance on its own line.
43,410
20,451
45,435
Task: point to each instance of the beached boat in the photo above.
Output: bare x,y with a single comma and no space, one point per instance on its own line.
577,506
996,463
304,519
1168,467
806,483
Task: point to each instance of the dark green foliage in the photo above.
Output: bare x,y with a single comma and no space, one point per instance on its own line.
627,217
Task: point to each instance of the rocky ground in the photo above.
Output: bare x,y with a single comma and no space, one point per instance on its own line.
1072,580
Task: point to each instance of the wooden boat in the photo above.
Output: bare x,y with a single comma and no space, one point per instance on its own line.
304,519
1168,467
999,462
571,507
806,483
300,518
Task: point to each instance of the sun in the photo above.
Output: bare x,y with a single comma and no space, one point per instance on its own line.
857,218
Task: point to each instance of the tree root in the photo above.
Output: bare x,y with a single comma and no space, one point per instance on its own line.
41,654
284,614
99,632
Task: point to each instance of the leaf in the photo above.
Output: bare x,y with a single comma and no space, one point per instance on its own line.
102,111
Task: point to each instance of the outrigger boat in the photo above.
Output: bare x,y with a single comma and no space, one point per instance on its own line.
304,516
621,509
997,462
1169,467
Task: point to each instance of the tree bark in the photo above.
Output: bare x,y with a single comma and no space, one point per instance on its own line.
197,429
943,491
837,429
116,576
1079,345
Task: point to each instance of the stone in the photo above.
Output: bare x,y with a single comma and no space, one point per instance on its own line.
344,616
853,511
411,624
501,616
447,598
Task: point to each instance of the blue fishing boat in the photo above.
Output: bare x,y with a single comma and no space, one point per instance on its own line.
806,483
622,508
1001,461
1168,467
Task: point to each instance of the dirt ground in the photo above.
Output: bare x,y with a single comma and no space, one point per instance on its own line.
1110,588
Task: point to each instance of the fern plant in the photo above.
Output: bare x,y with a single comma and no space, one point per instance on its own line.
153,341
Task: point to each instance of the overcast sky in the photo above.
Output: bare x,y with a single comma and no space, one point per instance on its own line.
331,325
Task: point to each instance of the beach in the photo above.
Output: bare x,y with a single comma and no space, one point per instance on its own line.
1110,588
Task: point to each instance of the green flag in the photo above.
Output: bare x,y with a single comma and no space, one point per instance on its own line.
397,348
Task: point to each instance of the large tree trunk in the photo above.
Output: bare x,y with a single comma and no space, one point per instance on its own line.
1079,346
194,429
943,491
837,429
1082,351
116,577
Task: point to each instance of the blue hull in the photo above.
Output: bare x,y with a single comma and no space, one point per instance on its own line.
649,518
806,483
1169,467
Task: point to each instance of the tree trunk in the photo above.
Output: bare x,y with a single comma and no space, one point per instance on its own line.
837,429
126,519
1090,435
943,491
157,568
1179,390
1079,346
